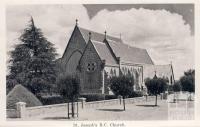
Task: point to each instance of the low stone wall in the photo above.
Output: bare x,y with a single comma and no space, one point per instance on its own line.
23,111
97,104
48,109
11,113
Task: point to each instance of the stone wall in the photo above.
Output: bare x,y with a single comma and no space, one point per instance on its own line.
48,109
91,80
11,113
24,112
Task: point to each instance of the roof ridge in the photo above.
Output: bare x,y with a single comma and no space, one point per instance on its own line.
109,36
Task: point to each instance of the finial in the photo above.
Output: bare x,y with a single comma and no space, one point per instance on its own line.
155,76
105,34
32,21
76,22
90,35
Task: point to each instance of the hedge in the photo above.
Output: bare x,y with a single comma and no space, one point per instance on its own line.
49,100
98,97
21,94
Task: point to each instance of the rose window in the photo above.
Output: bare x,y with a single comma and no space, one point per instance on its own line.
91,67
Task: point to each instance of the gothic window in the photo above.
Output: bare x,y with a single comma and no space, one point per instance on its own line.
111,72
91,67
115,73
171,79
123,69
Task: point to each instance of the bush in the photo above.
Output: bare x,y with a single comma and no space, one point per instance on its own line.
136,94
98,97
108,97
49,100
21,94
93,97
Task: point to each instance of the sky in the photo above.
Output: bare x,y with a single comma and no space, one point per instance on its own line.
165,30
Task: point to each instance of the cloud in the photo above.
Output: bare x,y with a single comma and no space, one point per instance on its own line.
165,35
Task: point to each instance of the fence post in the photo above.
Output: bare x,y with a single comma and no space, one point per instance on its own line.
21,109
120,99
82,99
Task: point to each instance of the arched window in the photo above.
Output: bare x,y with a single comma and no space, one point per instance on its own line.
72,63
111,73
171,79
115,72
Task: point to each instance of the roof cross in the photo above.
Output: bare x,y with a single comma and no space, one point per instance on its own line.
76,22
90,34
105,34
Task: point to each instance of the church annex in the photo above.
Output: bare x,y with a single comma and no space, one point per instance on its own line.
95,57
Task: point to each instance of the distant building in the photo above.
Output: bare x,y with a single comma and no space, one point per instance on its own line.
95,57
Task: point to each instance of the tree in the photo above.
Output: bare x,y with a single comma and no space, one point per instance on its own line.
122,86
176,88
188,81
69,88
32,62
155,86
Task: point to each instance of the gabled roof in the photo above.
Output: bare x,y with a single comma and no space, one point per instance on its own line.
97,36
161,71
129,54
104,53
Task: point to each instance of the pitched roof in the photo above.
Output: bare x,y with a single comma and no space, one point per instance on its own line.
127,54
96,36
104,52
21,94
161,70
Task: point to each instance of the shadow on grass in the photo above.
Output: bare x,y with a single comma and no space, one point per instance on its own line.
148,105
111,110
55,118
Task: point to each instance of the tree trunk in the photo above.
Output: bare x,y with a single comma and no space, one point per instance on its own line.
190,97
124,103
174,97
73,108
156,100
77,109
68,110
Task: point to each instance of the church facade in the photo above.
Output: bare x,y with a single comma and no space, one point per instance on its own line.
96,57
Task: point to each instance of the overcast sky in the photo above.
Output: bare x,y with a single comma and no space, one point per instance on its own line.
166,31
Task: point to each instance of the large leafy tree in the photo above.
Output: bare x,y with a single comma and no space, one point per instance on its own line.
177,86
123,86
69,88
32,62
156,86
188,81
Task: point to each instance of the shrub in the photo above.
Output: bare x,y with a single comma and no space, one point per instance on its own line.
108,97
49,100
97,97
136,94
93,97
21,94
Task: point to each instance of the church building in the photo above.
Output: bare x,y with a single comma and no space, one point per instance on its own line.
95,57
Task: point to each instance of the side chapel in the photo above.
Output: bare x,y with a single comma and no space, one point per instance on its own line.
95,57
